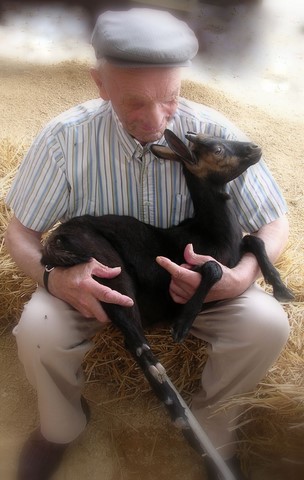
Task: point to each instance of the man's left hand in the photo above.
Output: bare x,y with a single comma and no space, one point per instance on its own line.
184,281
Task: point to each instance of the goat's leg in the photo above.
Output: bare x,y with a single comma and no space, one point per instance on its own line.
199,440
255,245
163,388
211,273
184,419
127,321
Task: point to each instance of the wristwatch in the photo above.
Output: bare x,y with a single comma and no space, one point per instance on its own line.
47,271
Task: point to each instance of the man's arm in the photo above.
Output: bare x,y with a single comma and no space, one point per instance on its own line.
74,285
235,280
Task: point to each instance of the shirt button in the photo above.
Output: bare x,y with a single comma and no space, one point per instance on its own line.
147,203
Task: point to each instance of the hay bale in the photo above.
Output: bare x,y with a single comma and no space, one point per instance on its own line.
272,422
16,287
109,362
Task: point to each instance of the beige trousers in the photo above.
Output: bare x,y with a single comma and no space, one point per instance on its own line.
245,336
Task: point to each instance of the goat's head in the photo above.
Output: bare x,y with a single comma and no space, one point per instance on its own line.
64,247
209,158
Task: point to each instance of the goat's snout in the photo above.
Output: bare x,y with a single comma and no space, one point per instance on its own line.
253,152
252,147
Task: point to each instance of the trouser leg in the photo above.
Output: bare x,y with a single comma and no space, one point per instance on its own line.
245,337
52,340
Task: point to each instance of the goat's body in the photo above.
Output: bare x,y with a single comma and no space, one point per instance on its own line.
122,240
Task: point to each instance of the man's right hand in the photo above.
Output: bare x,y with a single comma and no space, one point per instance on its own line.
76,286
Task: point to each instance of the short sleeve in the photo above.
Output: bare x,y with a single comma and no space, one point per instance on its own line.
257,198
39,193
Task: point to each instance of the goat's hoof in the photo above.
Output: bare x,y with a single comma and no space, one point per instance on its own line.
143,348
181,423
161,369
158,372
283,295
179,334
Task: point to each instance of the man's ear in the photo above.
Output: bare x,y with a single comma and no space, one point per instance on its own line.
96,76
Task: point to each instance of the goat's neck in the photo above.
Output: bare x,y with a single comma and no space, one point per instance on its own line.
210,201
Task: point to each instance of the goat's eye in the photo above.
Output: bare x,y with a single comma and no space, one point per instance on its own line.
218,150
58,242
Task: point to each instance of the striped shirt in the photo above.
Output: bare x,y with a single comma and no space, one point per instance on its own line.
84,162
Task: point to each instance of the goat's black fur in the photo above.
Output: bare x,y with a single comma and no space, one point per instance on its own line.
121,240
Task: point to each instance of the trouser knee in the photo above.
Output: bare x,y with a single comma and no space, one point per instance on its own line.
34,330
48,325
265,326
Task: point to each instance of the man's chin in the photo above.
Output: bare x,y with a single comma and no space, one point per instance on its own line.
149,137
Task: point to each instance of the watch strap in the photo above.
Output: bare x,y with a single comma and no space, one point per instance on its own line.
47,270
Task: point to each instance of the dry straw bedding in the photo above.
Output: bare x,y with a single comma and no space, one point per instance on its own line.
273,423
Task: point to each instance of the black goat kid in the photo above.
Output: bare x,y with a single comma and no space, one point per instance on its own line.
121,240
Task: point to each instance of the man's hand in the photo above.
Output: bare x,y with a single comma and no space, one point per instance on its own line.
76,286
184,282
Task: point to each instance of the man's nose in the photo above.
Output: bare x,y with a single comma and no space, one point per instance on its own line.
155,116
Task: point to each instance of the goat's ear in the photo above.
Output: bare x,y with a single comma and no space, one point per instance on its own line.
178,146
197,137
161,151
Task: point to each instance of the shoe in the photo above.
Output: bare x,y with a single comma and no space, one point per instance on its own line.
86,409
39,457
233,464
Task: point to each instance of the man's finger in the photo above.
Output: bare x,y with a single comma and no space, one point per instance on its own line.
193,258
178,295
107,295
103,271
176,271
112,296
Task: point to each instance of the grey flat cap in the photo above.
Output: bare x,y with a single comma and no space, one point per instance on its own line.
143,37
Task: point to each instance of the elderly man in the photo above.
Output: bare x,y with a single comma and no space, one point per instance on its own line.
95,159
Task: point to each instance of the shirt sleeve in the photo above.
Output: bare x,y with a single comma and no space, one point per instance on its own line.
39,193
256,195
257,198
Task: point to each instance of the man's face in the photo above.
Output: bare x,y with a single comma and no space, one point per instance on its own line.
144,99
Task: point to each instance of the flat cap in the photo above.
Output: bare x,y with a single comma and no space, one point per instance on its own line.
143,37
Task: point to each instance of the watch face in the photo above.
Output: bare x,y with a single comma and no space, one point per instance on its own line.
49,268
